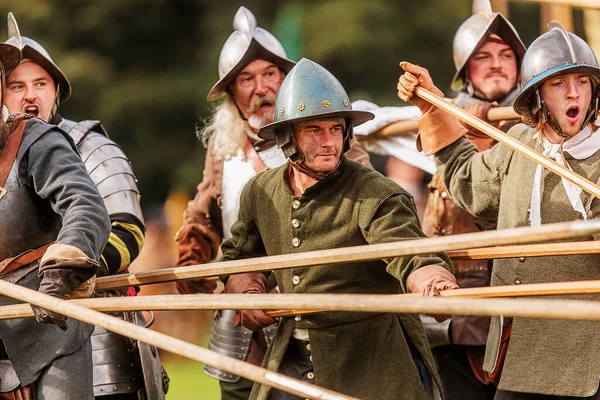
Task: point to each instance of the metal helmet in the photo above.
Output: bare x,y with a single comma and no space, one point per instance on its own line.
10,53
246,44
310,92
35,52
553,54
474,32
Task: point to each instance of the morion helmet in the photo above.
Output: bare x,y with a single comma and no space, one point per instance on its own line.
35,52
553,54
475,31
246,44
310,92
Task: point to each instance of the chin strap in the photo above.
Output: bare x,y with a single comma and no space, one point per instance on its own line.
317,176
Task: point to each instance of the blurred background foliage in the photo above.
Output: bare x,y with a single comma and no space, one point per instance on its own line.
144,67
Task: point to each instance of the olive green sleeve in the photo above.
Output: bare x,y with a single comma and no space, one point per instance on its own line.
474,179
394,218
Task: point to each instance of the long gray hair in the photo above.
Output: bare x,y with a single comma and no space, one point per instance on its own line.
227,127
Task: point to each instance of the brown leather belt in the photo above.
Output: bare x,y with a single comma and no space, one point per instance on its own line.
25,258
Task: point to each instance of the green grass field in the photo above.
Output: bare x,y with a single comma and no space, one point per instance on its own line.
189,382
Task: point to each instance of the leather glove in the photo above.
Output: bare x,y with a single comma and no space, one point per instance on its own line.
437,128
65,272
407,84
59,283
193,286
194,247
252,282
430,281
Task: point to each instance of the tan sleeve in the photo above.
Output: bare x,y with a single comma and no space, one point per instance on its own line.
357,153
200,235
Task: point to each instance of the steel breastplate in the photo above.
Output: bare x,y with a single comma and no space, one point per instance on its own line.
236,173
26,220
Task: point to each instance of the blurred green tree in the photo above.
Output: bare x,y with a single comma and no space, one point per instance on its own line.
144,67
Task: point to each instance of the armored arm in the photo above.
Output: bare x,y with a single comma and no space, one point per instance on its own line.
111,171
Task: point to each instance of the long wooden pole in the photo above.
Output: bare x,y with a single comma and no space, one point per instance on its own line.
514,144
400,128
229,301
528,250
358,253
529,290
169,343
530,308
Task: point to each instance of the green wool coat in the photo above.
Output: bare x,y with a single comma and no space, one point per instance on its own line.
365,355
550,357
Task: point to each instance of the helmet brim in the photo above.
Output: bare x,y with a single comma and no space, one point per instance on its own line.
255,51
268,132
10,56
524,102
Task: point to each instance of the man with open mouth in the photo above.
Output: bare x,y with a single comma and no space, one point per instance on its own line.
252,65
36,87
533,359
487,55
53,227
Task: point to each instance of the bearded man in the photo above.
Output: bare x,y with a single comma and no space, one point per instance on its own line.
533,359
252,66
37,86
487,56
53,227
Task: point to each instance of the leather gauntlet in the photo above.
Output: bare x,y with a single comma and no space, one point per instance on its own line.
65,272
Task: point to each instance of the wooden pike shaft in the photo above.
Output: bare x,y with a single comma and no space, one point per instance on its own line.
529,290
457,301
169,343
509,141
403,127
357,253
528,250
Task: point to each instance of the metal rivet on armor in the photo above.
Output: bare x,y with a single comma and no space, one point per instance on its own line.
522,259
310,358
298,318
295,204
281,111
295,223
517,282
295,242
308,347
326,103
296,280
301,107
444,194
345,103
310,375
257,148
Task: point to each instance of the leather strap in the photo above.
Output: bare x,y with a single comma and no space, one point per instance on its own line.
252,156
9,152
25,258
